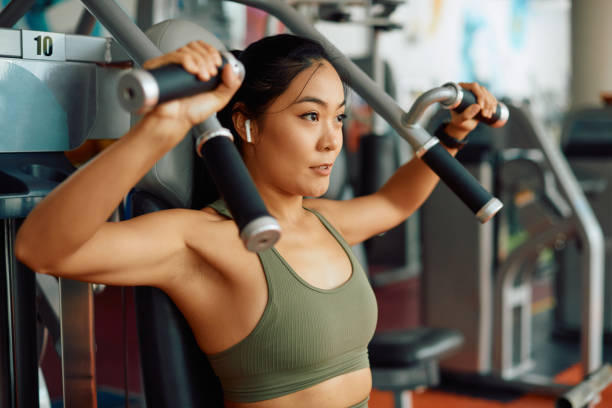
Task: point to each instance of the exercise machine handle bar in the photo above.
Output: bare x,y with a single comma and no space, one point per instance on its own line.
140,90
258,230
463,184
452,96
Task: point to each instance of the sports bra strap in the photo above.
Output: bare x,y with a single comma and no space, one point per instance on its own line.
331,229
220,207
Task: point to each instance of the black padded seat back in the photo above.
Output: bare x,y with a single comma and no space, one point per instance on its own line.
171,177
175,371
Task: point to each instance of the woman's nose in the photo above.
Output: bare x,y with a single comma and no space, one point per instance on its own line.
331,139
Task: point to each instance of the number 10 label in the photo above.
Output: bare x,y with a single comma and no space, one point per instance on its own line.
43,45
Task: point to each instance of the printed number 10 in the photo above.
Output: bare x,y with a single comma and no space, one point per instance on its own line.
44,45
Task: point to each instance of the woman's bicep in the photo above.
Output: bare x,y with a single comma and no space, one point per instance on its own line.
146,250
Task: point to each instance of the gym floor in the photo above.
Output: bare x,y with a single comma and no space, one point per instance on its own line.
554,357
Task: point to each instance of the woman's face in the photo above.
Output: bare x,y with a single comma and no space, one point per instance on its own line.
299,136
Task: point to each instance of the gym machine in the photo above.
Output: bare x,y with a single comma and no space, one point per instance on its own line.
57,91
80,387
586,144
486,294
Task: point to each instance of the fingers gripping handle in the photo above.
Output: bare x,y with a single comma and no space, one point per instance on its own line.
462,183
258,230
466,98
140,90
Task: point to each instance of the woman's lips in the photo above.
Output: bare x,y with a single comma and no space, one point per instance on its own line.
322,169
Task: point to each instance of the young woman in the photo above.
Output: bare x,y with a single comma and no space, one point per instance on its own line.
287,327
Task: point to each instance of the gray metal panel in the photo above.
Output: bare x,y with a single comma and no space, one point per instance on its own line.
456,279
111,121
56,106
78,47
50,105
93,49
10,42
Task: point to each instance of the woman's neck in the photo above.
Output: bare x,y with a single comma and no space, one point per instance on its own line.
287,209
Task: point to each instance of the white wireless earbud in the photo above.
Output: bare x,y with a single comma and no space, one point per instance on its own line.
247,125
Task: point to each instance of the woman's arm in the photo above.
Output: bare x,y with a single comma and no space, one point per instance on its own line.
363,217
67,232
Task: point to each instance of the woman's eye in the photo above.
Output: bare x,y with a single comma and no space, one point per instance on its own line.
341,117
311,116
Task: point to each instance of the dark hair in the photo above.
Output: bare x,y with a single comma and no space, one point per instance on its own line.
270,64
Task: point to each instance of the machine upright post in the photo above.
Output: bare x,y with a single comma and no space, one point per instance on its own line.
19,362
7,378
25,347
78,344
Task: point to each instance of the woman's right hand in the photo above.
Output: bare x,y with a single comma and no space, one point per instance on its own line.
202,60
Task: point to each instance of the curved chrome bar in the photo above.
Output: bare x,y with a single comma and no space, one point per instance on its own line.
446,95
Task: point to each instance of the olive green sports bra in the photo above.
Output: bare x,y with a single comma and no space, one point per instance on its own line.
305,335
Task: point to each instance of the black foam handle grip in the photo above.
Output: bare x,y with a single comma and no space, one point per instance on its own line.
233,180
497,119
458,179
174,82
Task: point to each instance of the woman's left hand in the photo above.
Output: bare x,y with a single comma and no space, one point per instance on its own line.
463,123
